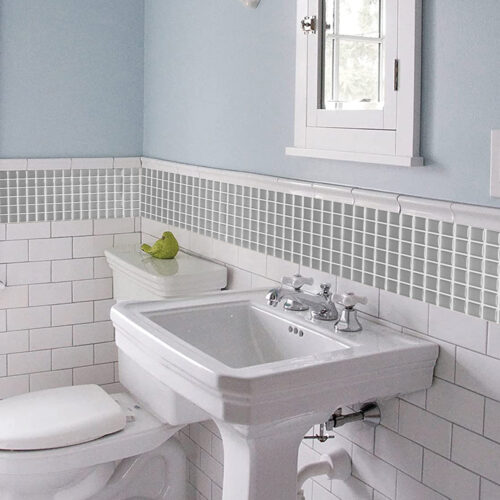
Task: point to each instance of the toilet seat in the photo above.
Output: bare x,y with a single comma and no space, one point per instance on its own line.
54,418
142,433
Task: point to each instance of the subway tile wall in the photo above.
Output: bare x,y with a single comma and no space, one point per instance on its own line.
54,313
442,443
57,216
438,262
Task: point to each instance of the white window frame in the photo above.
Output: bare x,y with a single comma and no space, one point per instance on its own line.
389,137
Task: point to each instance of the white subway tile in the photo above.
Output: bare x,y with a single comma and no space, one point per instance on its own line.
252,261
28,230
424,428
404,311
494,340
416,398
216,449
70,357
3,365
49,163
153,228
50,338
13,251
200,481
114,226
71,228
93,333
449,401
211,468
476,453
126,239
72,269
478,373
373,471
27,273
12,386
97,374
399,451
101,268
50,249
449,479
3,320
102,308
201,436
409,489
91,246
389,409
14,342
457,328
88,163
50,293
50,380
3,231
202,245
28,362
106,352
14,296
492,420
225,252
28,317
489,490
320,493
69,314
96,289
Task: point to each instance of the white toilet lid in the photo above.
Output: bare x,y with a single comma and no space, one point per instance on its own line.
59,417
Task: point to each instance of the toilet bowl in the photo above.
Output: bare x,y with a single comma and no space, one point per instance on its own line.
79,443
133,462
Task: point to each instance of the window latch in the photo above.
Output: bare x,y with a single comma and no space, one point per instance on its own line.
309,25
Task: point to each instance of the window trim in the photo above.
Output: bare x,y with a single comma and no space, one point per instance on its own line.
399,145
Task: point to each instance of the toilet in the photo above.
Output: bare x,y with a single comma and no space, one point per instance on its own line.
78,443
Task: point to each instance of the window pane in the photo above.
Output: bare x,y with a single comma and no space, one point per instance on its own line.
359,18
352,54
358,71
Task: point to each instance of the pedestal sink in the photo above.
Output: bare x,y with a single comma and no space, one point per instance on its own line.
265,375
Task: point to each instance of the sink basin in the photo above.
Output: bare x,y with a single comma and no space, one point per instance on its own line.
266,375
242,334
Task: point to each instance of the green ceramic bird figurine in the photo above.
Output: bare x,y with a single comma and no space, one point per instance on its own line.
165,248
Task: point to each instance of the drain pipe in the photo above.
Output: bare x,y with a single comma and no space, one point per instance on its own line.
335,465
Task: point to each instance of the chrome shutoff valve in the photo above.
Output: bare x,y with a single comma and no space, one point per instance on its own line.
348,321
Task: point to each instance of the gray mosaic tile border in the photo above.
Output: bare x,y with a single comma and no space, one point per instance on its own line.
52,195
450,265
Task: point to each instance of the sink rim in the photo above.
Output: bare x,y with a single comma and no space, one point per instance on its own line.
259,395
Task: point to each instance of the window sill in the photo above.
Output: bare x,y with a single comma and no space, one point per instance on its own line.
325,154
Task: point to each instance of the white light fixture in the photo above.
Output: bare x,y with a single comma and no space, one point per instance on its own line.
251,3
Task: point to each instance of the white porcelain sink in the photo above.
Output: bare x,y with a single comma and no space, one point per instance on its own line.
266,375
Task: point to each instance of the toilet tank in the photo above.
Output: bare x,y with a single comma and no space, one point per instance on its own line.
138,276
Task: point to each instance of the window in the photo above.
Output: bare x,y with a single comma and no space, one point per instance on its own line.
358,81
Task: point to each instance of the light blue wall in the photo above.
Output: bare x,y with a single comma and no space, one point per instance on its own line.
71,77
219,91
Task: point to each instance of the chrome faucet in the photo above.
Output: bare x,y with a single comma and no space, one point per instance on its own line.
294,299
348,321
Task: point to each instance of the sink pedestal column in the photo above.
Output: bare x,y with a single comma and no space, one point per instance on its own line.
260,462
